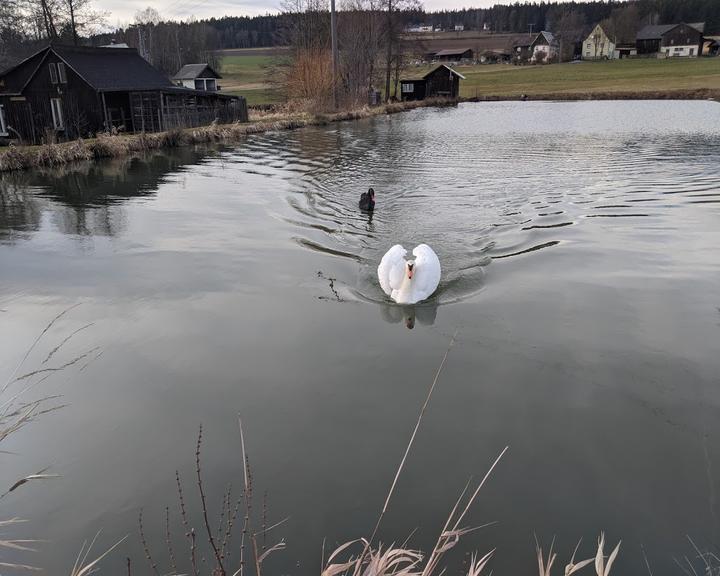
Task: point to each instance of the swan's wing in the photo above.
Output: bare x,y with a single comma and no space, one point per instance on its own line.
391,268
427,274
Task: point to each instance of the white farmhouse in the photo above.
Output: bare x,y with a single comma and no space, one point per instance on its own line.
544,48
598,45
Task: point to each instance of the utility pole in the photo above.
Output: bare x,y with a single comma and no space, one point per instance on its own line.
334,47
388,64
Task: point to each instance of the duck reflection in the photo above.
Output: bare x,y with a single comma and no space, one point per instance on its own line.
423,313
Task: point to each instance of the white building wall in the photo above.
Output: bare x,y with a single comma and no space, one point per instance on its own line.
550,52
691,51
597,46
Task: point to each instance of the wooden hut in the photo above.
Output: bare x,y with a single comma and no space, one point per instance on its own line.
442,81
67,92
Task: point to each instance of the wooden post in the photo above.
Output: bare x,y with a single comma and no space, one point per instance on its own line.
162,112
333,41
105,113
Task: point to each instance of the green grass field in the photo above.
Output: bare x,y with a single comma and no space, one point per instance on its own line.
640,76
247,75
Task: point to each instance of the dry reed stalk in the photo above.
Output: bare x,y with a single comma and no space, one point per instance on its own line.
407,562
412,439
82,567
602,566
211,540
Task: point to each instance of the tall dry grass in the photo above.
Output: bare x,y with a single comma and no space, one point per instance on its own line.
17,410
359,557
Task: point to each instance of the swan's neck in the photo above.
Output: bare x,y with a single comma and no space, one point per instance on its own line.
406,286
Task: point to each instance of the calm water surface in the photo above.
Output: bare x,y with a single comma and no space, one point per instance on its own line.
581,268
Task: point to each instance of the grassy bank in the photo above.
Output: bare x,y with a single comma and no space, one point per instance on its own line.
246,74
109,146
646,78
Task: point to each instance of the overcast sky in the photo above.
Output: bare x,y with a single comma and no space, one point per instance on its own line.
123,11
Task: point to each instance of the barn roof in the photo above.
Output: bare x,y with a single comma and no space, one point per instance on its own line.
547,37
455,72
192,71
653,32
657,31
452,52
112,69
104,69
423,78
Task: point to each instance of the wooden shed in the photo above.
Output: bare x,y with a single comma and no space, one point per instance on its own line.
67,92
442,81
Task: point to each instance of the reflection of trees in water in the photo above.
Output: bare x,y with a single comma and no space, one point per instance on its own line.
84,199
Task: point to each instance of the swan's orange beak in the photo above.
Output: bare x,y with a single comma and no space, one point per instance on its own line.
410,270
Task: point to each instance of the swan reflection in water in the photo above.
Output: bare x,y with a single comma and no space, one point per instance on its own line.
424,313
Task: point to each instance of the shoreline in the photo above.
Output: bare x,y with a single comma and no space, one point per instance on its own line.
688,94
14,158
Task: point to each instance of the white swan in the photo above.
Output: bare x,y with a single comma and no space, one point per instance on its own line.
408,282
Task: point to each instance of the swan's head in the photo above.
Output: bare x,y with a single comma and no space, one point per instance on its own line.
410,269
371,194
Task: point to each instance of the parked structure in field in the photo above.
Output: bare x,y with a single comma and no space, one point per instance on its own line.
453,55
625,50
198,77
544,48
443,81
671,40
66,92
598,45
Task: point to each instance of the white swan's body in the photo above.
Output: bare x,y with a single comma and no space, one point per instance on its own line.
408,282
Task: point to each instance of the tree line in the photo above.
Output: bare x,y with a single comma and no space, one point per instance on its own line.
25,25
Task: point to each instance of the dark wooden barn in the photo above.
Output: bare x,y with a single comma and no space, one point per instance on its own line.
442,82
671,39
67,92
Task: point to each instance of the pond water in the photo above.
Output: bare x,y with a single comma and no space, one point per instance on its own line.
580,245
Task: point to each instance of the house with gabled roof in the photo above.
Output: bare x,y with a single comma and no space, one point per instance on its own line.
598,45
544,48
67,92
198,77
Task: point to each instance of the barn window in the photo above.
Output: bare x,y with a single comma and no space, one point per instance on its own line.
3,123
57,116
53,73
407,87
62,75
